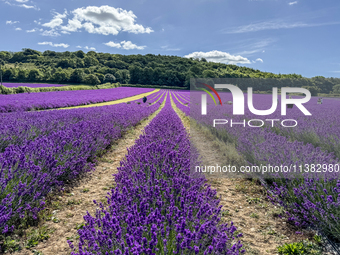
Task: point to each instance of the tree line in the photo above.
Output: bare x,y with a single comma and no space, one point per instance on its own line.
95,68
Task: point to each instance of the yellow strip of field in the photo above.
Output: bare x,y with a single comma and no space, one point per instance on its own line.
180,100
182,97
119,101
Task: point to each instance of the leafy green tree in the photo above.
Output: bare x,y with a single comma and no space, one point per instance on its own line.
313,90
92,79
9,75
2,63
336,89
109,78
77,76
80,54
66,63
60,75
5,55
135,74
34,75
90,61
22,75
100,77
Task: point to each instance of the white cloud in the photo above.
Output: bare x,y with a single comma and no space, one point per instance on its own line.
105,20
89,48
166,47
31,31
126,45
270,25
22,4
113,45
54,45
49,33
219,57
79,47
292,3
18,29
10,22
258,60
56,21
27,6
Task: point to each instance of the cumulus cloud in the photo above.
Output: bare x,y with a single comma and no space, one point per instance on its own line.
10,22
54,44
56,21
126,45
219,57
292,3
105,20
18,29
31,31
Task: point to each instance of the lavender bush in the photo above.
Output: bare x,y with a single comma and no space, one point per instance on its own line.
41,150
159,206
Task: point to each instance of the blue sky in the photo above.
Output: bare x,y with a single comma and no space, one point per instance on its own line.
279,36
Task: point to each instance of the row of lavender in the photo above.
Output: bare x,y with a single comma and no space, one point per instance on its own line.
310,197
41,150
59,99
31,85
158,206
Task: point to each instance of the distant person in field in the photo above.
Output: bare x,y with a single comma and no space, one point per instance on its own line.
144,99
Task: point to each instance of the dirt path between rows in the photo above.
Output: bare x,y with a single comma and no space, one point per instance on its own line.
244,202
68,210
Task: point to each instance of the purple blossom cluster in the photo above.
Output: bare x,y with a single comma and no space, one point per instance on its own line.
159,206
309,197
31,85
59,99
41,150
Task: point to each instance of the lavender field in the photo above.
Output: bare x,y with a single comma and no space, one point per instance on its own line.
31,85
156,203
311,194
59,99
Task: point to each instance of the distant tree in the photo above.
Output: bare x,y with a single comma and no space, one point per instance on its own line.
60,75
77,76
9,75
312,89
22,75
2,63
92,79
135,74
80,54
336,89
33,75
109,78
90,61
5,55
100,77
